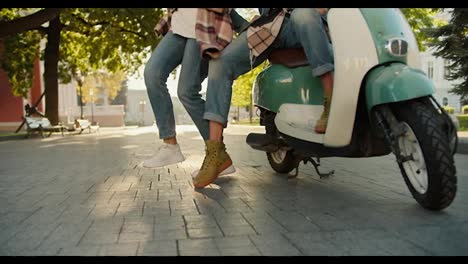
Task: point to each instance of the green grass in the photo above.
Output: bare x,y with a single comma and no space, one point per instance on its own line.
465,110
463,122
11,135
449,109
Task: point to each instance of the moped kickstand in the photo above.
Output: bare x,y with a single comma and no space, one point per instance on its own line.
316,165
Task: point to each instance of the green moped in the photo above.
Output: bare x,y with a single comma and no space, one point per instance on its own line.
382,103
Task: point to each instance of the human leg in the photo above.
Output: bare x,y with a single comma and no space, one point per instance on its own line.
164,59
193,71
233,62
310,31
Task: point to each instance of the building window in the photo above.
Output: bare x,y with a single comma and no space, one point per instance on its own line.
430,69
446,68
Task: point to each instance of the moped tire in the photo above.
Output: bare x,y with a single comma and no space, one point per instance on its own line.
282,161
429,146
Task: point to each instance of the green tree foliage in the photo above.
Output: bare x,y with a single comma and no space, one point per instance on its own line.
242,88
121,98
451,43
82,40
18,53
420,19
17,59
101,82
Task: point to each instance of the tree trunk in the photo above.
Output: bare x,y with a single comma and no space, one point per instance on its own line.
250,110
51,59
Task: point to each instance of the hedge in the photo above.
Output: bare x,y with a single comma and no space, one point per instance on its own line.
463,122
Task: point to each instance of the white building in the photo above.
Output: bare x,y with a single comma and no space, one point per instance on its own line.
140,112
101,111
436,69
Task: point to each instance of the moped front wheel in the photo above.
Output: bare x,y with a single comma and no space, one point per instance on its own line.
429,170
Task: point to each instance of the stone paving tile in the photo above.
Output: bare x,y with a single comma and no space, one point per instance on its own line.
157,248
98,238
169,234
274,245
109,205
121,249
83,250
198,247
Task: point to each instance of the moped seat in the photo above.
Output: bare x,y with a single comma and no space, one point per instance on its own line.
290,57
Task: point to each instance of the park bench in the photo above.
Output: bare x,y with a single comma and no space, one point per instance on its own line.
83,124
41,125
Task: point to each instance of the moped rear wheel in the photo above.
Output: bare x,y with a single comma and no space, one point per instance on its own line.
282,160
430,173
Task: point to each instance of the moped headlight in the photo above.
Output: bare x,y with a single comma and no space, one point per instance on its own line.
397,47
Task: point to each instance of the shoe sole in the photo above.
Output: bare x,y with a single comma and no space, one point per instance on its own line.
227,171
144,155
212,179
163,165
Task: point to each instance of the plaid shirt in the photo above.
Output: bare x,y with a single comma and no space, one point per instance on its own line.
213,30
260,37
164,24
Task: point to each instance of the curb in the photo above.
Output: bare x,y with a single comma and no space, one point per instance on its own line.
462,147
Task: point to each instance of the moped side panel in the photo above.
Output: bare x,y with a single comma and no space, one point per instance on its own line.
282,85
355,54
396,82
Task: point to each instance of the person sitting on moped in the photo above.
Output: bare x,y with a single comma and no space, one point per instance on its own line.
275,28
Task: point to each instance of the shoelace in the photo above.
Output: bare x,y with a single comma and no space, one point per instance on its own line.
207,161
163,147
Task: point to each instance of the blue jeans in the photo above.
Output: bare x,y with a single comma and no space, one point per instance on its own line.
174,50
304,29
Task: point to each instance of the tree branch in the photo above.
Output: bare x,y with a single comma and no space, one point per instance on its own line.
90,24
29,22
132,32
105,23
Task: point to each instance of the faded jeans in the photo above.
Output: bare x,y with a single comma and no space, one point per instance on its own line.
174,50
304,29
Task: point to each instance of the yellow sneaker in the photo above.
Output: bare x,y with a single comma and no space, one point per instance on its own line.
216,161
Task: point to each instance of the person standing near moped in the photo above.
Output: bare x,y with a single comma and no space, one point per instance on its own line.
178,47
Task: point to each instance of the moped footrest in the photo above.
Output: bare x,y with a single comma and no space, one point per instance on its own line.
262,142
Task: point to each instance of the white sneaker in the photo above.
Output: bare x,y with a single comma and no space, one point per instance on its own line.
167,154
144,153
228,170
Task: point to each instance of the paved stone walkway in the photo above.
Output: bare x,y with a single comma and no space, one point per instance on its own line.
88,195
